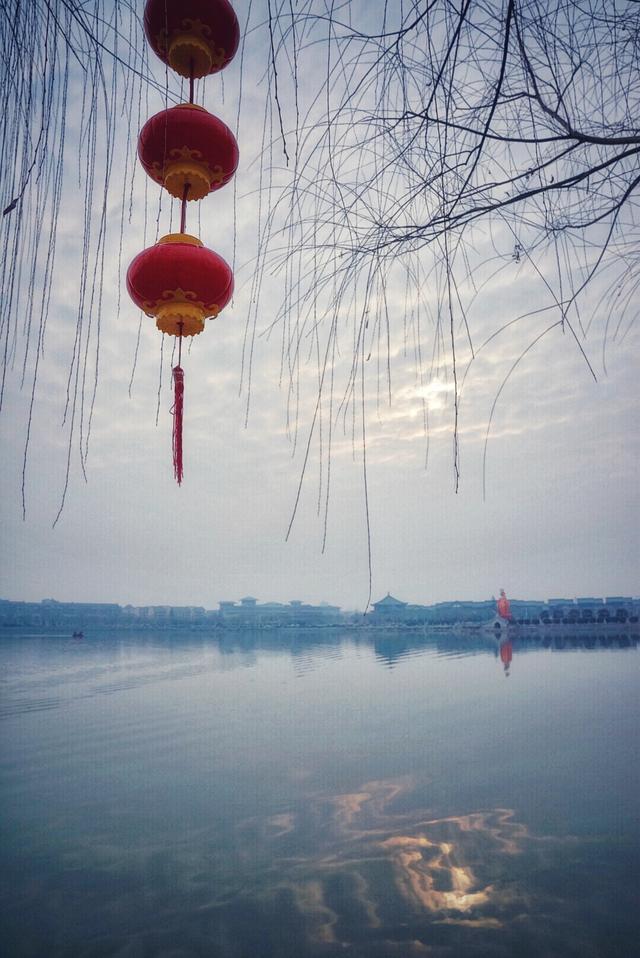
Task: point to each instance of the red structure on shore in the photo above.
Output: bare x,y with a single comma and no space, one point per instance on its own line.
503,607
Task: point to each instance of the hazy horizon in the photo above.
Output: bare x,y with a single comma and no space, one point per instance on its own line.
328,601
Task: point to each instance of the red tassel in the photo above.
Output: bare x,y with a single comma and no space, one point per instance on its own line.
178,390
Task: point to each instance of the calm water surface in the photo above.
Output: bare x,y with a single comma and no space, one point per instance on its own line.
170,796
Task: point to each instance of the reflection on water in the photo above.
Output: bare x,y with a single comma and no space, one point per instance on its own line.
399,873
506,654
365,879
393,647
315,795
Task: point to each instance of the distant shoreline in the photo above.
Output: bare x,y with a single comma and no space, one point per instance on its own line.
389,613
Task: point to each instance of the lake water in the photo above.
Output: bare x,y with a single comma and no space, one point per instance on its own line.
298,794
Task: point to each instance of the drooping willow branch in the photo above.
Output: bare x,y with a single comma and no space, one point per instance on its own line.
73,81
435,137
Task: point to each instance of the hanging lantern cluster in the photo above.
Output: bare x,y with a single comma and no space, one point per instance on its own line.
191,153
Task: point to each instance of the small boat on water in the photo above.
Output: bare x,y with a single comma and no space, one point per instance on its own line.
78,635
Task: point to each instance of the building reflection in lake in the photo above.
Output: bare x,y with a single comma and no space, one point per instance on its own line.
506,654
392,647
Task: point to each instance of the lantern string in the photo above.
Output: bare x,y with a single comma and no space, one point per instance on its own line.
183,211
177,410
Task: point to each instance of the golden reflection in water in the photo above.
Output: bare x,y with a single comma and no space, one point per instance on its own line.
282,824
309,898
418,878
392,867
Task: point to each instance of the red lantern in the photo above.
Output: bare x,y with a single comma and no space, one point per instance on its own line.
181,283
191,153
186,145
194,37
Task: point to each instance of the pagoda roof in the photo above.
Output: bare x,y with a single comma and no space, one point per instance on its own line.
389,600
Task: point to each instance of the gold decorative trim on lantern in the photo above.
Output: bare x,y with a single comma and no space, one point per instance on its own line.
191,49
217,174
180,313
180,319
190,106
184,167
179,175
186,238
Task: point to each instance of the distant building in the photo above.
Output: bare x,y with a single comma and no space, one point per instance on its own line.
621,602
448,613
391,611
79,615
249,613
526,610
51,615
82,616
388,609
559,606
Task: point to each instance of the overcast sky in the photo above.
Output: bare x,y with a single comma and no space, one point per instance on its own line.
560,514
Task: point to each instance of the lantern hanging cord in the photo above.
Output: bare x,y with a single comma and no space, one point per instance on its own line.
187,186
183,211
178,410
